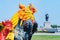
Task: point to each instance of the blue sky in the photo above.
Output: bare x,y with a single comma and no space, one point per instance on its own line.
52,7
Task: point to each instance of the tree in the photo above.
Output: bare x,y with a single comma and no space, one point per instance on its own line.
54,26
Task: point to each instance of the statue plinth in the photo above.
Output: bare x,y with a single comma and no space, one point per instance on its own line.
47,24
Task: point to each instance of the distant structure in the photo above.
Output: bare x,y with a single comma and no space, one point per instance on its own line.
47,26
47,23
46,17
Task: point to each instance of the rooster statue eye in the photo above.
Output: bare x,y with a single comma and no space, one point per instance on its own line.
24,10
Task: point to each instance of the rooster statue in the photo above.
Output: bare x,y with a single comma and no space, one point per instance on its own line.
5,29
21,26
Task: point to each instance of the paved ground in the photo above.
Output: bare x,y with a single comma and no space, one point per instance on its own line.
57,33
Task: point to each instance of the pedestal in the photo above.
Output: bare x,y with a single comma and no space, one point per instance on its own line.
47,24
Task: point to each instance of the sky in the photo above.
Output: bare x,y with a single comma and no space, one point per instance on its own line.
52,7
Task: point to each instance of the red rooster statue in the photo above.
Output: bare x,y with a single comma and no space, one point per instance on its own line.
6,26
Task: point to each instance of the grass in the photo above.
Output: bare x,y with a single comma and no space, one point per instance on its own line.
46,37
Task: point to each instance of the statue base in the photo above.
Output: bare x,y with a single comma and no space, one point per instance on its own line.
47,24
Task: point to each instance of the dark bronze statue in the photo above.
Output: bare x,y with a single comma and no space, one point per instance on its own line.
46,17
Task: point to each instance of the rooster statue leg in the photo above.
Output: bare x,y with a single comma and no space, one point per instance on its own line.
18,32
27,29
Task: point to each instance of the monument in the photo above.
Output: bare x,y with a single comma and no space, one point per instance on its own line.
47,23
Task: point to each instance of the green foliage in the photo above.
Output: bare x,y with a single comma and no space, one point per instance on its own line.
1,27
54,26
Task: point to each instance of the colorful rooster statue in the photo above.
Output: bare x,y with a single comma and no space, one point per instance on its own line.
25,13
5,29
